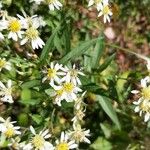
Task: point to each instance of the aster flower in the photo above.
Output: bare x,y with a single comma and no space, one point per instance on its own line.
31,24
98,3
14,25
143,103
8,129
64,143
52,4
4,64
79,134
38,141
53,73
5,92
72,75
58,96
69,91
105,10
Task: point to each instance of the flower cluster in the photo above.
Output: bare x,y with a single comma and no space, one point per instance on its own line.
143,103
23,29
103,8
64,81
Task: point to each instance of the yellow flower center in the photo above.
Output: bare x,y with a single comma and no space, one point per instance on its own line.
62,146
106,10
49,1
2,63
51,73
14,25
146,92
73,73
98,1
32,33
68,87
145,106
38,141
9,132
59,92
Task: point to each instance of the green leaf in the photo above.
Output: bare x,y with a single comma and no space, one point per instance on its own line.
37,118
106,63
25,94
98,51
30,84
79,50
108,108
48,46
101,144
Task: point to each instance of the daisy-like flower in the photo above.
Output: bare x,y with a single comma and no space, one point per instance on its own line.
38,141
5,92
53,73
31,24
143,103
106,11
4,64
64,144
32,35
52,4
69,91
79,134
72,75
8,129
14,25
15,143
58,96
98,3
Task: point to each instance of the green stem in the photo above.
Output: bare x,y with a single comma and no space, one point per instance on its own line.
129,51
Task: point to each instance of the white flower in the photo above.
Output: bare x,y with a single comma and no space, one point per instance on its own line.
72,75
58,96
53,73
14,143
8,129
5,92
105,10
4,64
79,134
64,144
69,91
14,25
32,35
31,24
38,141
143,103
98,3
52,4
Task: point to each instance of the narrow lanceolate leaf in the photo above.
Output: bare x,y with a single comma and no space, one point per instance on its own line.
30,84
48,46
98,51
105,64
108,108
79,50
